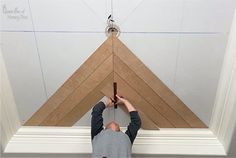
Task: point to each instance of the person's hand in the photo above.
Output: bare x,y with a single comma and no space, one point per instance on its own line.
127,104
107,101
121,99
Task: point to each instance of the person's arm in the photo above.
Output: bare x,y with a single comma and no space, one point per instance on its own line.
97,119
133,126
135,123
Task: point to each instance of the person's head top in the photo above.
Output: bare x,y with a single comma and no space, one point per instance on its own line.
113,126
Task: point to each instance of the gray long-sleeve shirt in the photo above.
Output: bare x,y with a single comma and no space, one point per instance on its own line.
109,143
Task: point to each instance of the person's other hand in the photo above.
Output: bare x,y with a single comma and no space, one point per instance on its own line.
128,105
109,102
121,99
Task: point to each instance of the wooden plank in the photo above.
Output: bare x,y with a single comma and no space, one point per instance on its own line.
86,104
84,89
156,84
138,101
81,74
146,92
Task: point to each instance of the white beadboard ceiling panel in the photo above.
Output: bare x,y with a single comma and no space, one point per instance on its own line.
23,67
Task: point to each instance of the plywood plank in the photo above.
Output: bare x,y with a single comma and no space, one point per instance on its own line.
146,92
156,84
139,102
81,74
84,89
86,104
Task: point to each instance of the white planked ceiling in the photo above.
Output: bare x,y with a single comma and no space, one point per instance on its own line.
181,41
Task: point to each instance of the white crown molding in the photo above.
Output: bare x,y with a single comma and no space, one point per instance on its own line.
10,122
78,140
223,118
212,141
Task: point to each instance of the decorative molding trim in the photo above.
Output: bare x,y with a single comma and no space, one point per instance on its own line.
10,122
78,140
223,118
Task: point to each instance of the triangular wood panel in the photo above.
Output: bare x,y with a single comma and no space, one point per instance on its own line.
114,62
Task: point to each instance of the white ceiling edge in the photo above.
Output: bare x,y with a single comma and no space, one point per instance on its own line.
165,141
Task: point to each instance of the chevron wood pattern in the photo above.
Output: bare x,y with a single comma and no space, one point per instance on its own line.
112,62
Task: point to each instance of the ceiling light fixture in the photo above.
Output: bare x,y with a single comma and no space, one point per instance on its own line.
111,27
